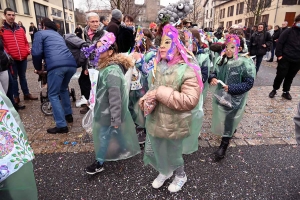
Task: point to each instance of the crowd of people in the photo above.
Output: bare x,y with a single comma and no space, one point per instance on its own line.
141,88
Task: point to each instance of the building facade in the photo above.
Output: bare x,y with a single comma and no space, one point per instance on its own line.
210,19
235,12
148,12
27,11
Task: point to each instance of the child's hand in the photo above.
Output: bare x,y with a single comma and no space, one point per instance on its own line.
141,103
151,95
86,72
225,88
136,55
214,81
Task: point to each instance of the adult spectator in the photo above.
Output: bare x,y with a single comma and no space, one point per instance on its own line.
21,25
288,54
284,26
59,29
275,37
32,31
16,45
270,29
92,33
187,23
61,66
125,36
113,25
260,43
104,20
253,30
78,31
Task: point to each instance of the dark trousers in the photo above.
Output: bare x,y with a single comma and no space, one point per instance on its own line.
84,84
10,93
286,70
258,62
273,50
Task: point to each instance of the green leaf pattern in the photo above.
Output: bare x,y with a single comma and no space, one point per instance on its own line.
22,152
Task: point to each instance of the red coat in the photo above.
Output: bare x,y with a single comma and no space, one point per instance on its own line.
15,42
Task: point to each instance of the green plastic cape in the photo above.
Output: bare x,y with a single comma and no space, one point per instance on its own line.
163,153
225,120
113,143
19,182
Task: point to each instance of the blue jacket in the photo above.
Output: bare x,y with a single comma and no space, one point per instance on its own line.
51,47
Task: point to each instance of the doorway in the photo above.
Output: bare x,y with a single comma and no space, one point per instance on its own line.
290,17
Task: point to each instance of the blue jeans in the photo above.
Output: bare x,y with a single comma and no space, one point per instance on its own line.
58,81
258,62
10,94
19,69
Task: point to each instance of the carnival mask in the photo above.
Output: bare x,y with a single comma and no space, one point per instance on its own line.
232,43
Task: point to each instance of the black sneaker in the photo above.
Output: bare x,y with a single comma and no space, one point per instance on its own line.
96,167
69,118
141,132
58,130
286,95
272,94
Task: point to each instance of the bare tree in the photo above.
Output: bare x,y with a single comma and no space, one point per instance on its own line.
89,4
196,14
127,7
80,17
256,8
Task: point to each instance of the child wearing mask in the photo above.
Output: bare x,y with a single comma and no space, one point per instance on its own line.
175,84
237,73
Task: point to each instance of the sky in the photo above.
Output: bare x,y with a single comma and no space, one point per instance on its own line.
78,3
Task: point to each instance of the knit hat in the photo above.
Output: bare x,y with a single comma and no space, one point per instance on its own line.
116,13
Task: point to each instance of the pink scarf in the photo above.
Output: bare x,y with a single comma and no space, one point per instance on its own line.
91,34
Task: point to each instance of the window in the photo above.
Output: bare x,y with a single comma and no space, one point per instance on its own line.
59,13
249,22
229,24
40,12
0,6
221,24
240,8
289,2
265,18
211,12
206,14
65,4
70,4
11,4
222,13
268,3
238,21
230,11
26,7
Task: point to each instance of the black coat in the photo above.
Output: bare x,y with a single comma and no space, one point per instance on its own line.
32,29
276,34
257,40
113,27
125,38
4,61
288,45
78,32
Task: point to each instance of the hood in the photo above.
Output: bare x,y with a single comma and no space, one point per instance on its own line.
73,40
125,61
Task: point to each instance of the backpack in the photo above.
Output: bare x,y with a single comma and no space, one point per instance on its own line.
75,44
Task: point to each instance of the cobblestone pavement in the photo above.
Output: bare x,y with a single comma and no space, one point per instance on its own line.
265,122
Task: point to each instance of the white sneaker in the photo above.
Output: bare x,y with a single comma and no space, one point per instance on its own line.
177,184
81,101
160,179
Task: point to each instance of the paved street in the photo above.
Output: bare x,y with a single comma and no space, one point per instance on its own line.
262,162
